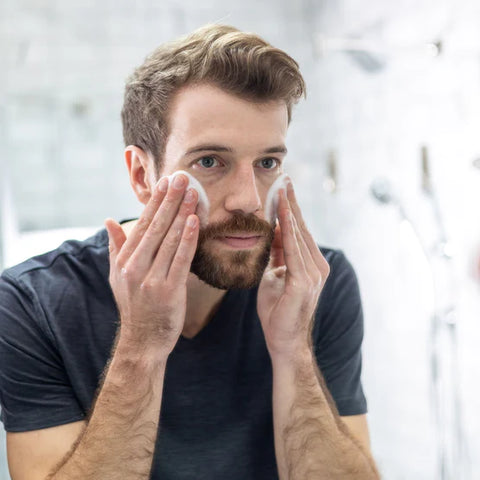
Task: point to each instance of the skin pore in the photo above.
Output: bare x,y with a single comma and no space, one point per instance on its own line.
235,149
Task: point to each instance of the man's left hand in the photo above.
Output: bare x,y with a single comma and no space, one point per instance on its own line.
292,283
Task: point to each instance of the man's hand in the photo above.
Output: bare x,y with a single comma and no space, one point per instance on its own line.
292,283
149,269
310,439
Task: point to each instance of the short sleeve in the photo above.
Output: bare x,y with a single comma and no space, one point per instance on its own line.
34,388
338,335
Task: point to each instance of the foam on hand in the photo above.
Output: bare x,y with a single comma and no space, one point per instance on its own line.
271,202
203,206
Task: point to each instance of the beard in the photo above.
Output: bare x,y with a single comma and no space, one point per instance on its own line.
228,269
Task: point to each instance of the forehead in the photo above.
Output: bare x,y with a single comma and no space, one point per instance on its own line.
206,113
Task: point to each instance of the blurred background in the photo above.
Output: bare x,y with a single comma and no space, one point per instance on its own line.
385,155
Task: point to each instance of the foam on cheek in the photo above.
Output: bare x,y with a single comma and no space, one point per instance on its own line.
203,206
271,202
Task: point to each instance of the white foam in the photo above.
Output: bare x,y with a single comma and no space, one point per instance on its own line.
271,202
203,206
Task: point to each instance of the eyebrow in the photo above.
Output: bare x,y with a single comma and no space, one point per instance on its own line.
221,148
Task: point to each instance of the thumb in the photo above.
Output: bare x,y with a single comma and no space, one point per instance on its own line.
116,237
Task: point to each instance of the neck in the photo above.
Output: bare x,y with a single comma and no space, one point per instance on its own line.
202,303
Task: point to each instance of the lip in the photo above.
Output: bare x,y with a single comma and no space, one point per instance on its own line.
240,241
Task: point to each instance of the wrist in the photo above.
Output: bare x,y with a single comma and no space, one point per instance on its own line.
297,355
136,349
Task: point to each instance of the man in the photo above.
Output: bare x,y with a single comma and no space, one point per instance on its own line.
200,361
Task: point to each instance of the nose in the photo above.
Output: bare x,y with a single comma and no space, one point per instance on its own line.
242,195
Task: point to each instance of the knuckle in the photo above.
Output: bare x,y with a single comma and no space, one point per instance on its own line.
157,225
129,274
142,225
171,200
171,241
168,244
182,256
125,273
148,285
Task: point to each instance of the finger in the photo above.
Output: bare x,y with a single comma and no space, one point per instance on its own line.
312,246
166,253
142,224
304,250
317,270
146,250
180,266
316,256
116,237
291,249
276,251
300,235
302,247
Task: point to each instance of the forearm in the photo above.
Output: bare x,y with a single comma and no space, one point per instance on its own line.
311,441
119,439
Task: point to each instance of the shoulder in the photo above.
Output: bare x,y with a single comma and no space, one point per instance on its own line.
337,335
340,305
32,291
53,327
93,248
69,261
342,274
336,258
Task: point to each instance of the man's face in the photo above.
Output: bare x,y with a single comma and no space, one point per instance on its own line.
235,148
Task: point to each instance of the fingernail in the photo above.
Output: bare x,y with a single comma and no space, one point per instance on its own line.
179,182
192,222
163,184
189,196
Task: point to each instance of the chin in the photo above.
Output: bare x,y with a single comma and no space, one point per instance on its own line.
231,269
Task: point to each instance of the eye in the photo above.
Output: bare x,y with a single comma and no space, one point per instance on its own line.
208,162
268,163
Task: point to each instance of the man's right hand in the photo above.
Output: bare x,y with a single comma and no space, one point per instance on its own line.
148,275
149,269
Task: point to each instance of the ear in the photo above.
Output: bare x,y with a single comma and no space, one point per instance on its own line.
141,171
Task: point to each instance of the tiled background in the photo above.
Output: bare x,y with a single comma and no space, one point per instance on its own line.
378,91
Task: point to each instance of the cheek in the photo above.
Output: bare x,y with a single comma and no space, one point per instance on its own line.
271,202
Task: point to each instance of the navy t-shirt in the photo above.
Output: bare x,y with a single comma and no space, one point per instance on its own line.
58,321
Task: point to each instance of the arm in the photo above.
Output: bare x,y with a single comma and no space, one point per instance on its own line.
31,455
311,441
148,275
358,427
120,434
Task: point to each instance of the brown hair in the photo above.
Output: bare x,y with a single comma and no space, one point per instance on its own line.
240,63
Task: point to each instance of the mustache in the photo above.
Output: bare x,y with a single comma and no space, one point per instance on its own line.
237,223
